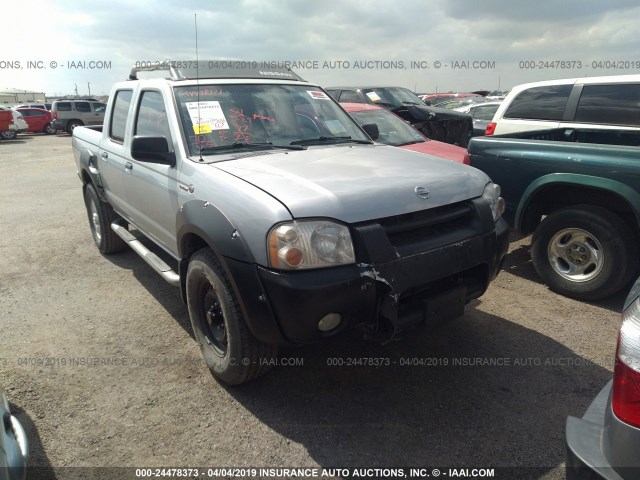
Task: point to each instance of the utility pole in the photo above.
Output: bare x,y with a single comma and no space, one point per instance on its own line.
76,85
89,87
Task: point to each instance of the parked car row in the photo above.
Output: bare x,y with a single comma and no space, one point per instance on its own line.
63,115
436,123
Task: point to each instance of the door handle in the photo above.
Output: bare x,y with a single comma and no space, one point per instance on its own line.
128,167
104,154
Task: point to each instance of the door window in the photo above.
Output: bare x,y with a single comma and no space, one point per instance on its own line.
119,115
610,104
83,107
152,118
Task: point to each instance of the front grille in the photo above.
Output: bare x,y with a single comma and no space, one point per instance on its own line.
412,232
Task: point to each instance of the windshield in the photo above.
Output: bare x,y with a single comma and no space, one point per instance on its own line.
392,96
251,116
393,130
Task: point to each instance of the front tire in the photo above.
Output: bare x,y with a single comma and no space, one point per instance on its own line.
232,353
584,252
101,216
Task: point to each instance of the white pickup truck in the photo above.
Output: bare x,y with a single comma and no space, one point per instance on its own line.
285,222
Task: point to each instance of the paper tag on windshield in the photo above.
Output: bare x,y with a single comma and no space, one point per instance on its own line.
207,116
374,96
318,95
202,128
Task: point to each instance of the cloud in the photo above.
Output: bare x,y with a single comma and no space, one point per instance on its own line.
506,33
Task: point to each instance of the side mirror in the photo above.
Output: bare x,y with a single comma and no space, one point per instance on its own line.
152,150
372,130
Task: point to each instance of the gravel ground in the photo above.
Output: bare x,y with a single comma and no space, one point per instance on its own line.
99,362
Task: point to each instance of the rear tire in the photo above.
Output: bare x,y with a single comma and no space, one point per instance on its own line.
72,124
9,135
49,129
585,252
232,353
101,216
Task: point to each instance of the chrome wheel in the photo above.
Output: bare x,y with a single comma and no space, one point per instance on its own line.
576,255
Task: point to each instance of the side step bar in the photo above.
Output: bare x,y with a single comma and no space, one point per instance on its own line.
147,255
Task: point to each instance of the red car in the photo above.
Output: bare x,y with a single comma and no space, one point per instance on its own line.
396,132
6,121
38,119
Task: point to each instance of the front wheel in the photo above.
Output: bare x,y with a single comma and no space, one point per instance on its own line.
584,252
231,352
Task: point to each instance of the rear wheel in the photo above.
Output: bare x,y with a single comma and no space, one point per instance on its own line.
232,353
101,216
584,252
49,129
72,124
9,135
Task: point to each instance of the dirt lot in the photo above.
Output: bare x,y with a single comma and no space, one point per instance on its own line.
99,361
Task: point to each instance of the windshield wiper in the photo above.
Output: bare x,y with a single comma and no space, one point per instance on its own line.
324,139
257,145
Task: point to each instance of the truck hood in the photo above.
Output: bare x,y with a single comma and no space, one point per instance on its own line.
356,183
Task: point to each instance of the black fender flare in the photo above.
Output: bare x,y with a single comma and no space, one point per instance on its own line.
211,225
214,227
89,164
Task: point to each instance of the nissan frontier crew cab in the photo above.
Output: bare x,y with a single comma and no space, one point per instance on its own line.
284,222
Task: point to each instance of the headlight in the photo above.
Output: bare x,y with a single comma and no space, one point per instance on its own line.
492,195
310,244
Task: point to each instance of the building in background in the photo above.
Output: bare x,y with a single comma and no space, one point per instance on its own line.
15,96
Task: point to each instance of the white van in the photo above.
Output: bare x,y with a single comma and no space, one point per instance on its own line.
600,102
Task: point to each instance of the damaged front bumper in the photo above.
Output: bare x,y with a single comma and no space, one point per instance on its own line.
386,293
426,288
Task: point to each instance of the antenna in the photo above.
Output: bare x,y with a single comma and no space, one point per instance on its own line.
195,19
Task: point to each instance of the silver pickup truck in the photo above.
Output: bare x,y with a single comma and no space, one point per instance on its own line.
285,223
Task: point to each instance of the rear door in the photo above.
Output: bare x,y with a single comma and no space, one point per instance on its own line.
84,113
606,106
112,151
152,189
98,110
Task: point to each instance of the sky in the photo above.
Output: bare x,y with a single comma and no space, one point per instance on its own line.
427,46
